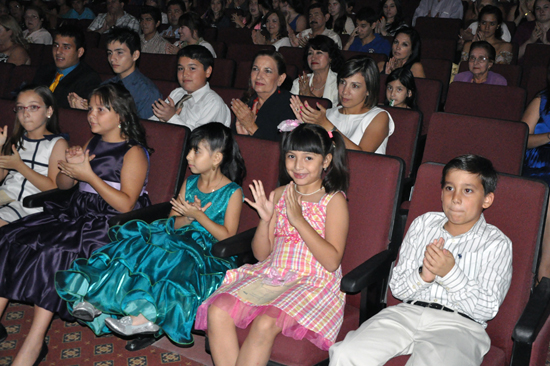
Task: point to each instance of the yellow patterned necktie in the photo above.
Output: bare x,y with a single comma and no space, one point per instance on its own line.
58,77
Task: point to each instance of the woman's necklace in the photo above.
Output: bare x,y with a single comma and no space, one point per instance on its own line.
216,187
307,194
319,88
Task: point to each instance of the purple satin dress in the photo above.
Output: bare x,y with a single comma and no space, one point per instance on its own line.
35,247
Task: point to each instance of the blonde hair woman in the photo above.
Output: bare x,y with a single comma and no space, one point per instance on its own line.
12,44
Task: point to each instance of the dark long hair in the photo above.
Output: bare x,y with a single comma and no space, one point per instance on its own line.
114,96
406,78
325,44
490,9
220,138
315,139
415,46
52,125
339,24
399,17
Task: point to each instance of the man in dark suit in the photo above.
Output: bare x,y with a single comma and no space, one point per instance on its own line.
68,73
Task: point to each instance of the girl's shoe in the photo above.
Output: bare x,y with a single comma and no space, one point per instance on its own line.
124,326
85,311
3,333
43,353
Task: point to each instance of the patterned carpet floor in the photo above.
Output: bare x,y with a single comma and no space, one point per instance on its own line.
71,344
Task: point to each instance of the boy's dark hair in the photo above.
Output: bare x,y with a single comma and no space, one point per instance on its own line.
367,67
220,138
115,97
367,14
52,125
192,21
199,53
313,138
153,12
325,44
474,164
323,8
179,3
126,36
71,30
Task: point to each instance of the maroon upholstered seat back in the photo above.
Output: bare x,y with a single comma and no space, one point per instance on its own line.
447,28
223,73
482,100
158,67
74,122
7,116
502,142
404,140
245,52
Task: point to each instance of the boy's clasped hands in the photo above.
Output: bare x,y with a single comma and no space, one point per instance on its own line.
77,164
438,261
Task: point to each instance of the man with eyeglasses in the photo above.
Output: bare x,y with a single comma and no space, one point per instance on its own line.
68,73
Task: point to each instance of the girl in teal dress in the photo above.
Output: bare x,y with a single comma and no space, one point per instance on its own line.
154,276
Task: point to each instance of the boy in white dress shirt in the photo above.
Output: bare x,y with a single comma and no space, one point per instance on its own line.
194,104
453,273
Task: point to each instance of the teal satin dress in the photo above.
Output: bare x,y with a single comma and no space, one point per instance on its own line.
152,269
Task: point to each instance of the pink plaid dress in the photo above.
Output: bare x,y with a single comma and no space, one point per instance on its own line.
312,307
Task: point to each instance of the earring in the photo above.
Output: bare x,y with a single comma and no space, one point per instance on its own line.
48,117
119,126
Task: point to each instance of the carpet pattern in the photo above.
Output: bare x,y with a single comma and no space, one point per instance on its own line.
71,344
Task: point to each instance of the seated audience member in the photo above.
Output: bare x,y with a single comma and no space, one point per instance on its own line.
238,5
123,51
61,8
151,40
324,59
17,10
50,14
114,17
13,47
79,11
265,104
363,38
191,31
405,53
537,31
401,90
159,4
35,33
391,19
521,12
68,73
471,31
250,19
480,61
194,103
339,21
456,262
318,16
292,9
490,30
439,9
174,10
275,34
537,157
215,15
363,125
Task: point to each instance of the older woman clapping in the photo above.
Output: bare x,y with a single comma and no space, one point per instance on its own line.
264,105
480,61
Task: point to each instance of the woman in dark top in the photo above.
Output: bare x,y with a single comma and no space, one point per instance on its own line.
264,105
215,15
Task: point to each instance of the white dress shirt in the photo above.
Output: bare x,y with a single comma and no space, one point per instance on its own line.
506,36
331,87
327,32
126,20
480,278
445,9
204,106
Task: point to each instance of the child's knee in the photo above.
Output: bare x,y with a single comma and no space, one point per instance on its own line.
265,326
216,315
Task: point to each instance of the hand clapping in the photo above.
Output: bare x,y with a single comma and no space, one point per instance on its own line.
11,161
293,203
191,210
265,206
437,260
246,117
165,110
77,164
308,114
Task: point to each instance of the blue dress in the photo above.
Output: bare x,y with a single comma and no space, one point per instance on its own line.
153,269
537,159
34,248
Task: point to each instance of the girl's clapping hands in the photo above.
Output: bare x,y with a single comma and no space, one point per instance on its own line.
189,209
77,165
11,161
293,203
262,204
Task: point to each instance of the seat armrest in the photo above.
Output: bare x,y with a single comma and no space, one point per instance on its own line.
147,214
235,245
55,195
374,269
534,315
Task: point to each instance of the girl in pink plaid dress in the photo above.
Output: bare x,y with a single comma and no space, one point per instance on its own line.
299,243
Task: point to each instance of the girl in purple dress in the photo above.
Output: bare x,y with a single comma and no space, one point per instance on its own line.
111,173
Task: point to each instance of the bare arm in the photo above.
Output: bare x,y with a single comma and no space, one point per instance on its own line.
531,117
329,250
418,70
19,56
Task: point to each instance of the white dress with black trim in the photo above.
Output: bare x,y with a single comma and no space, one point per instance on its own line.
36,154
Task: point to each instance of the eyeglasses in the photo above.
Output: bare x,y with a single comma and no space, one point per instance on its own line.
30,108
480,59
